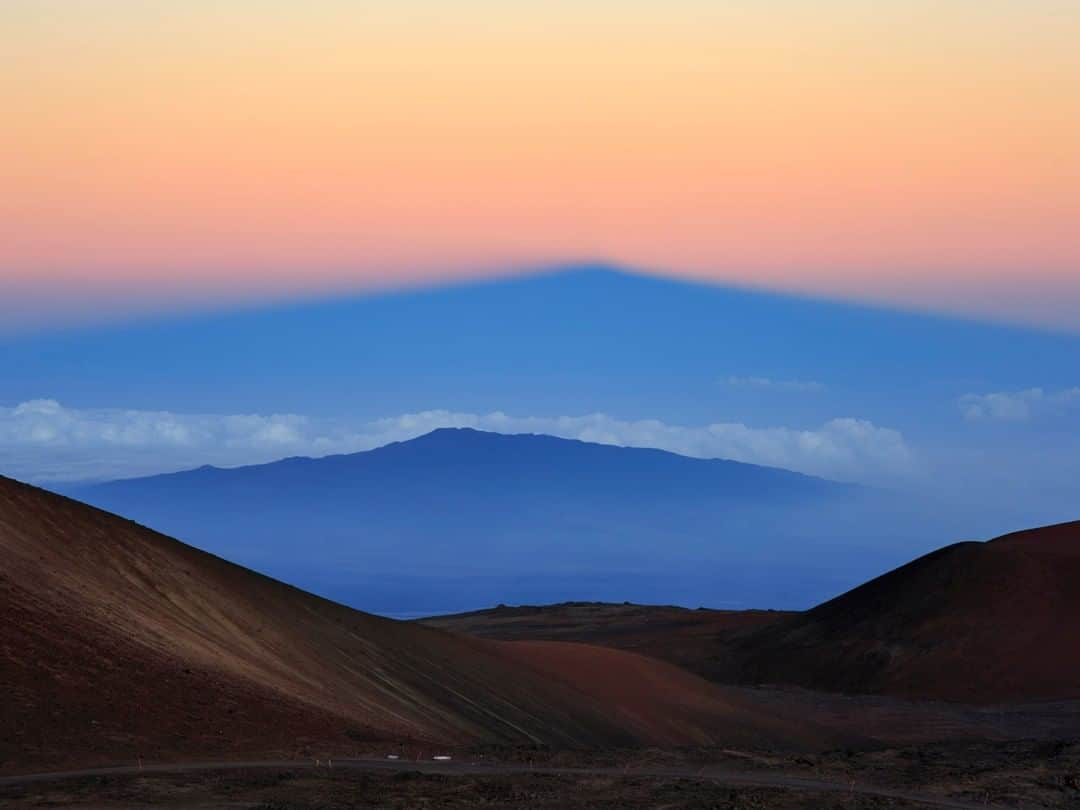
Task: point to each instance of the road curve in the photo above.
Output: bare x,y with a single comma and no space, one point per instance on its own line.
706,774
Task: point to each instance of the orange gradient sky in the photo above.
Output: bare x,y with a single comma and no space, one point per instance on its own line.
918,152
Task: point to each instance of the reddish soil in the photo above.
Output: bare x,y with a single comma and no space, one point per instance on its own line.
119,642
682,636
978,623
654,697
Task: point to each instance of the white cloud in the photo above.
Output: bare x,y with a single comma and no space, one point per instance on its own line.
44,441
1017,406
795,386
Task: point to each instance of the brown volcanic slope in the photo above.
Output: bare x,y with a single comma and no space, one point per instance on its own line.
974,622
680,635
118,642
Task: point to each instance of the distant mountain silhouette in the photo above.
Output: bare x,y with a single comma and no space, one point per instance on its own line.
509,462
477,502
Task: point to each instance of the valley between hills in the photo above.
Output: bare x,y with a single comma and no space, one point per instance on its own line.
122,646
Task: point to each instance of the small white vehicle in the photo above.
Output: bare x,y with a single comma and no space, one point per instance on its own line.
442,758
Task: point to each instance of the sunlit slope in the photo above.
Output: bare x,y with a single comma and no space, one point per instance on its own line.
119,641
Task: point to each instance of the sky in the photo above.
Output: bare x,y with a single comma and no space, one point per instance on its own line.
158,157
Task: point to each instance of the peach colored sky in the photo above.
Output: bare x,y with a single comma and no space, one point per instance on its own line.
916,152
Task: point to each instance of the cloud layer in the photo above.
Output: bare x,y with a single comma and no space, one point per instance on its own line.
1018,406
44,441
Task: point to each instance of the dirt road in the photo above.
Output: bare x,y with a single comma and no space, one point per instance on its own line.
458,767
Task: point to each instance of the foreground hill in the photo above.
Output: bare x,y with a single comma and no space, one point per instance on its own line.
463,503
119,642
973,622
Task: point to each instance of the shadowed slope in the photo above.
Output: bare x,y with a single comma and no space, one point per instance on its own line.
975,622
118,642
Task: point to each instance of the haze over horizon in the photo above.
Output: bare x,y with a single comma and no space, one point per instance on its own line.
974,424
